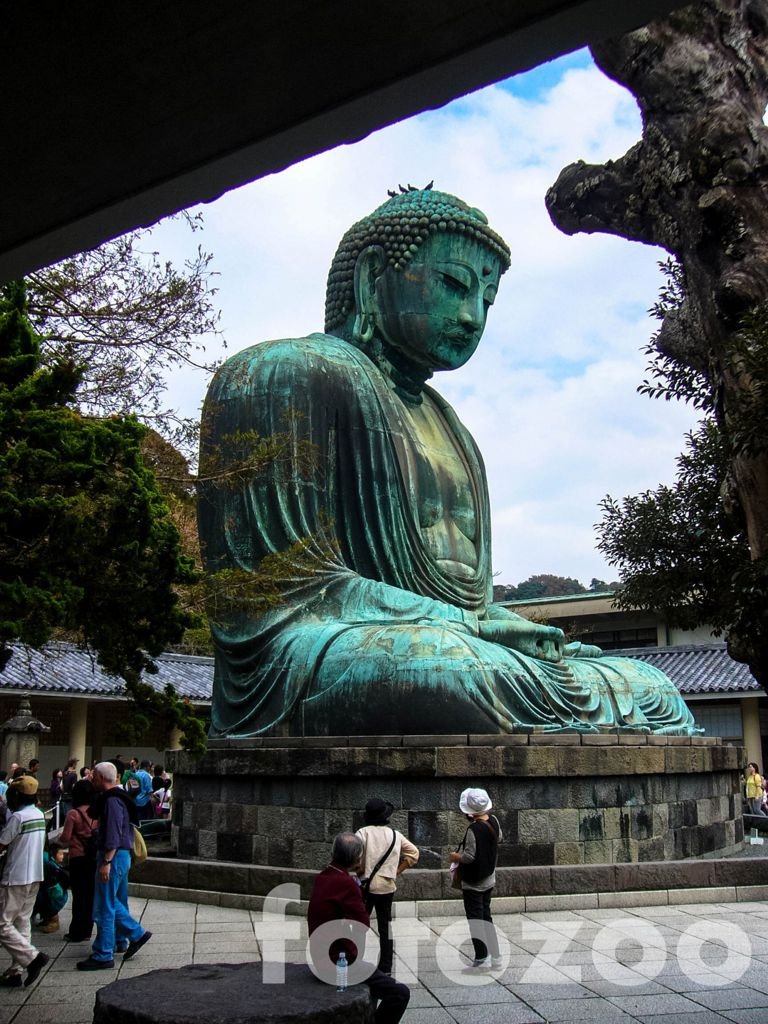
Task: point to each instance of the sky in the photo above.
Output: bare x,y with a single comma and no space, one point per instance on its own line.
550,396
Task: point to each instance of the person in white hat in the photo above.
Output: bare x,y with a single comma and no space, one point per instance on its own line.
477,855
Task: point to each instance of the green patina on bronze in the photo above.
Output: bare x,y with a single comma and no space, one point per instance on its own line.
386,623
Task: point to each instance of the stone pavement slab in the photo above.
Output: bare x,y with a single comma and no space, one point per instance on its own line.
694,963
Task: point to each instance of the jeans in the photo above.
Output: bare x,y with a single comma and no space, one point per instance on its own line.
477,907
381,902
110,908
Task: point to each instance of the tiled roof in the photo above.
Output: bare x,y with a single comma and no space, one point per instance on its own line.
586,595
698,668
63,668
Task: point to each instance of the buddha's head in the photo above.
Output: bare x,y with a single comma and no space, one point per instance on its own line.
418,276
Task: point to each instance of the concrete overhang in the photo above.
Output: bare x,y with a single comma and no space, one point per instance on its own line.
115,115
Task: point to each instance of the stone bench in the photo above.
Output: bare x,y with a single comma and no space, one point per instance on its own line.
229,994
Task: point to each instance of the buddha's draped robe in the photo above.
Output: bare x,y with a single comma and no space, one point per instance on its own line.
372,635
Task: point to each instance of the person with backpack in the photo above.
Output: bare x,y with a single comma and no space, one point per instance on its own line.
476,862
117,816
80,837
143,798
386,854
128,779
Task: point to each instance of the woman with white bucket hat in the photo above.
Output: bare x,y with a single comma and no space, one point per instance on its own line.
476,862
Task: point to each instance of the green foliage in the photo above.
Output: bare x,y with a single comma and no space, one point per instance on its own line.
87,548
683,549
149,709
668,377
746,425
601,587
678,546
544,585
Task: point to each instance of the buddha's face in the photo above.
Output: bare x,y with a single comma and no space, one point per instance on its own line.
435,309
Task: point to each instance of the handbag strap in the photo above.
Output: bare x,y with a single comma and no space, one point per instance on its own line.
88,823
382,859
479,821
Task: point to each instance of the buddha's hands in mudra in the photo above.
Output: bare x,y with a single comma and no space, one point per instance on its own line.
503,627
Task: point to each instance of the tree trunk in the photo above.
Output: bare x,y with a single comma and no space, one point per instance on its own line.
697,184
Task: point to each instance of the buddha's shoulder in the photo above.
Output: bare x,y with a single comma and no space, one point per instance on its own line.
316,353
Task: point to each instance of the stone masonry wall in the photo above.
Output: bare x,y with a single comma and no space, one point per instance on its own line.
565,799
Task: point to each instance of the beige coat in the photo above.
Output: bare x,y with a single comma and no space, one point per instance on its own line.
376,840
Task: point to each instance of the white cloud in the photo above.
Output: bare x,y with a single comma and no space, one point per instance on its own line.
550,395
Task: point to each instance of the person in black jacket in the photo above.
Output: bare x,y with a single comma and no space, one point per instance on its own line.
477,856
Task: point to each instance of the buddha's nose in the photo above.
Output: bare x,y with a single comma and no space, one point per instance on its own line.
470,317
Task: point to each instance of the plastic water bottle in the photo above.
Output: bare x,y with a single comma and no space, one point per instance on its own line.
342,968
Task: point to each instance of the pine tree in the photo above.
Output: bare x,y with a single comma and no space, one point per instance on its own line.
87,548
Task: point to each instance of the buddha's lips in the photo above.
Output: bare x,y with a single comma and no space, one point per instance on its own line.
460,339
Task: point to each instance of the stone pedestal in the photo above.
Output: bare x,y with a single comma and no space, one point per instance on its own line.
229,994
561,799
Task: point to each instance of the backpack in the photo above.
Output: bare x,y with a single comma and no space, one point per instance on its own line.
139,853
132,786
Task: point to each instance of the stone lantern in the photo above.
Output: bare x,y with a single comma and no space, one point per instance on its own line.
21,735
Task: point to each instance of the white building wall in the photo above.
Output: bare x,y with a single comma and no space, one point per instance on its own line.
701,635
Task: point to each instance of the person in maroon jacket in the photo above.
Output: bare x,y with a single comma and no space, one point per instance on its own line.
336,896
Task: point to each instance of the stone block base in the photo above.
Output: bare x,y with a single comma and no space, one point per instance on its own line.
226,993
591,800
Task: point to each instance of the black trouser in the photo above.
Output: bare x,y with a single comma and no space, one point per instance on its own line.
82,878
477,907
146,811
393,997
381,902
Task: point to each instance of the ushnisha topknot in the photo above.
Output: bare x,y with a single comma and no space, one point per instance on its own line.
400,226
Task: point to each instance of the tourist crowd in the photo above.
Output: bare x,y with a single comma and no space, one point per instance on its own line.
87,854
85,851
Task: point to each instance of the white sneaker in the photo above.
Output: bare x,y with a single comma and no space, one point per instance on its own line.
497,963
478,966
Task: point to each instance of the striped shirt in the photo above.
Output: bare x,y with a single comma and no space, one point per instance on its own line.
24,835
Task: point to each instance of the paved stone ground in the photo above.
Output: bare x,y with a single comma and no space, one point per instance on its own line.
678,964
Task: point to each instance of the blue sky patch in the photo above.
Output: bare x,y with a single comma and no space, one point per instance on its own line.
530,85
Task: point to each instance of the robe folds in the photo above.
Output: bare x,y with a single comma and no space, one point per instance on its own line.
371,635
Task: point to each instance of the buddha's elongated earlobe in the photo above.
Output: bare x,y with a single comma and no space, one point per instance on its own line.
363,328
370,265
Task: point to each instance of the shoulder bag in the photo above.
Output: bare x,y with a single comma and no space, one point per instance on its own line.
366,882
